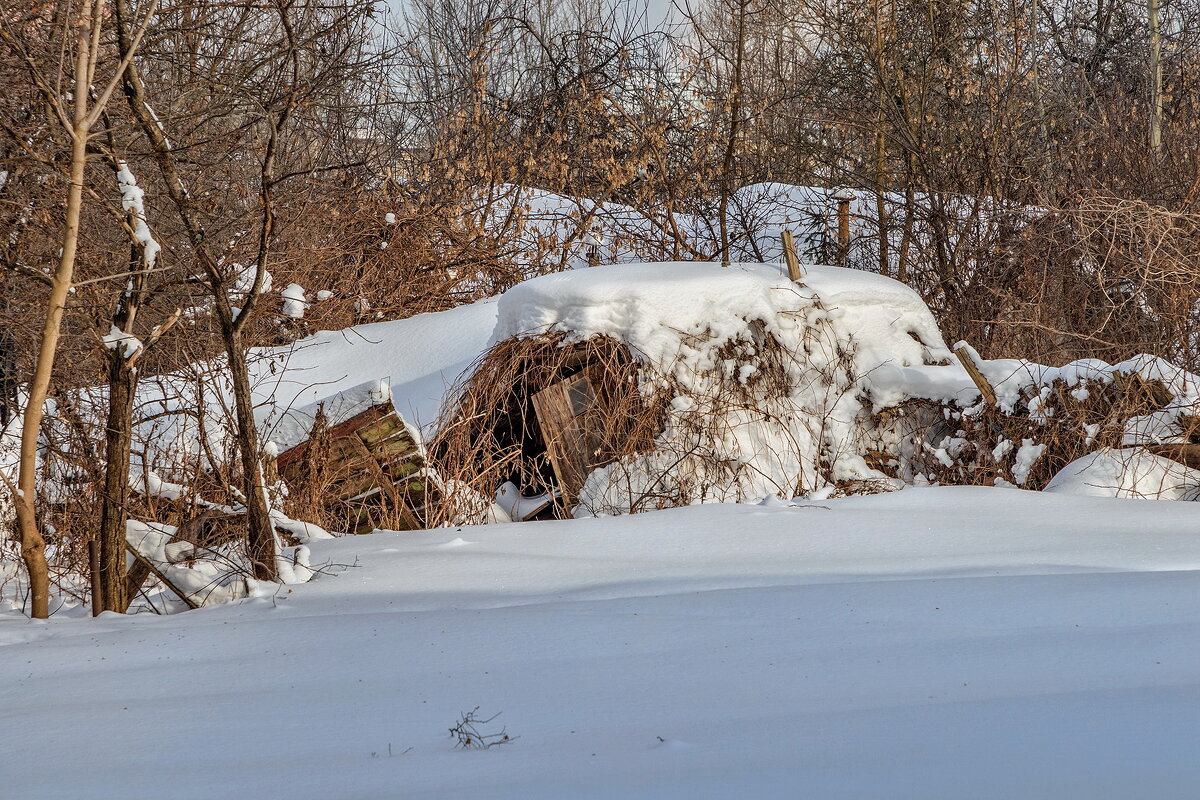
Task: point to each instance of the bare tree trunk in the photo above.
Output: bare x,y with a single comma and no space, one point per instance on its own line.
880,202
261,532
33,546
260,529
118,441
880,145
1156,98
735,118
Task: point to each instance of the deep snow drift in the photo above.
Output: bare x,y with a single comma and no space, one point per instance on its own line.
945,642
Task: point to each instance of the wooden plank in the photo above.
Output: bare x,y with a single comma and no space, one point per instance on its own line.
400,446
345,448
379,430
789,255
561,410
985,388
353,485
553,410
398,470
1186,454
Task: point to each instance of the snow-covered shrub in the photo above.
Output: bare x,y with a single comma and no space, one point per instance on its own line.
1127,472
1046,418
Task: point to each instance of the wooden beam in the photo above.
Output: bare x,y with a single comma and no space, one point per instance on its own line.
1186,454
156,572
963,351
789,255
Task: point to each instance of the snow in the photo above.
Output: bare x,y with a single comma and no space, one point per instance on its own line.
1157,427
652,306
293,301
424,355
150,484
206,581
243,282
10,459
1127,472
295,424
133,202
117,339
933,643
1027,455
649,306
854,343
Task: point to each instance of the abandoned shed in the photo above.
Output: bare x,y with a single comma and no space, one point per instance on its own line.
646,386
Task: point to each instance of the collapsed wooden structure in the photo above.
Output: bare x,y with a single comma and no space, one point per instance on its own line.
370,468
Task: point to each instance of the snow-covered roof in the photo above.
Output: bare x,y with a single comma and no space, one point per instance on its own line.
655,308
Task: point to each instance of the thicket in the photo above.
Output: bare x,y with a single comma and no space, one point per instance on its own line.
1029,168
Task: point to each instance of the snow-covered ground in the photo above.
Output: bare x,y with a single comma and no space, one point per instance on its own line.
939,642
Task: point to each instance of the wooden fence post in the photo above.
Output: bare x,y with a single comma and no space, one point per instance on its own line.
93,548
964,351
843,197
789,255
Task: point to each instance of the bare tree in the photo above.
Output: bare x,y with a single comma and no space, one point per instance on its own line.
77,113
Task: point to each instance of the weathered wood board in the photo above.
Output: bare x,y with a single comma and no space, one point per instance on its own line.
376,471
565,415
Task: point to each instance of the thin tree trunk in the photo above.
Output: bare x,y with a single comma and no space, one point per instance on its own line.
33,546
1156,98
910,212
881,215
118,440
261,532
735,117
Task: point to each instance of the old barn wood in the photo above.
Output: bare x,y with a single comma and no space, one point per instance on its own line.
566,414
377,470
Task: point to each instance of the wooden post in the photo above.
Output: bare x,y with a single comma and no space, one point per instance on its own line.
789,255
843,197
156,572
97,585
963,351
593,249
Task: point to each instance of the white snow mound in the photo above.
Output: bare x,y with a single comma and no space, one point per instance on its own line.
1128,473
